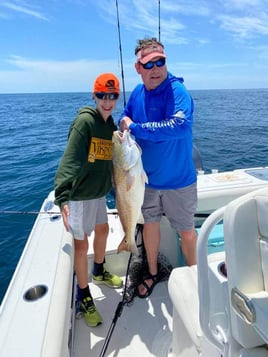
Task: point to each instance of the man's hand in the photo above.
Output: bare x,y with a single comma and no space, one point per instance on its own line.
125,123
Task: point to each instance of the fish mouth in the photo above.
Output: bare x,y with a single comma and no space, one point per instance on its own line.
120,135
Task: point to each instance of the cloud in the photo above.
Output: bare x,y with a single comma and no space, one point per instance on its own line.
189,8
48,65
207,30
249,5
242,18
245,27
24,9
52,76
173,25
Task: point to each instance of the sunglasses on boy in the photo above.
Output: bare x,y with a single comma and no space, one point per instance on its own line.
149,65
110,96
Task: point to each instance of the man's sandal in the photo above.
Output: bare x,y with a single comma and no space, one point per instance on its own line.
149,289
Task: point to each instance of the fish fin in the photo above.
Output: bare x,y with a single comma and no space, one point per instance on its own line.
144,177
131,161
130,181
131,154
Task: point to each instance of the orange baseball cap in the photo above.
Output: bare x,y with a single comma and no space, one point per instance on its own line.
106,83
149,52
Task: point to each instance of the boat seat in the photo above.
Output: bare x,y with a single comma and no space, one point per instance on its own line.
246,248
182,285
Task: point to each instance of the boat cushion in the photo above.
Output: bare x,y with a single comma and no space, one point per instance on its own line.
246,247
182,286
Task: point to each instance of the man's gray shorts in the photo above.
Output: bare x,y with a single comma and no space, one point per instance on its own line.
178,205
84,215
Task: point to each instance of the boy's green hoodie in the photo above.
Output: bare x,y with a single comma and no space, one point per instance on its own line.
85,169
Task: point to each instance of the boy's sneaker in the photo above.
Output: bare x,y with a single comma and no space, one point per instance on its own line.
111,280
90,312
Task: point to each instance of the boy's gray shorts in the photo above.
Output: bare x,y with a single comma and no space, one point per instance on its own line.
179,206
84,215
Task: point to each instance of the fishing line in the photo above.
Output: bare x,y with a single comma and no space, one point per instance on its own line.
120,51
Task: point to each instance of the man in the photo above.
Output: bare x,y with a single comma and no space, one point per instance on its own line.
82,181
159,113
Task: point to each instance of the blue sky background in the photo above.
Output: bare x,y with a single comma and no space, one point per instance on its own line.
61,46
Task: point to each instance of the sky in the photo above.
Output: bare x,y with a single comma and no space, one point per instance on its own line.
61,46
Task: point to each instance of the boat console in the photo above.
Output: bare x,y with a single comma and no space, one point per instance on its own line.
218,189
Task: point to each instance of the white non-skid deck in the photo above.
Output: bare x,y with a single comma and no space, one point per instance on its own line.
145,325
143,329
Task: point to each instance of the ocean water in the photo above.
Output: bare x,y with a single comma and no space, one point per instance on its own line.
230,131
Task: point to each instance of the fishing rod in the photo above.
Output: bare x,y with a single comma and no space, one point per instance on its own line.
117,313
29,212
121,303
159,30
120,51
43,212
197,215
120,44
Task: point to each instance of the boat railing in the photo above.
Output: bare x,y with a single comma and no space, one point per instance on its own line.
216,337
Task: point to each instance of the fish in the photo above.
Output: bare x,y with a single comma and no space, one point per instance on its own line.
129,180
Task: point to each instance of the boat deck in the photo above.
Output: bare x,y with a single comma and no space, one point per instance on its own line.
40,292
143,329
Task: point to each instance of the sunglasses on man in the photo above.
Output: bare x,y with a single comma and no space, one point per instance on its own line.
149,65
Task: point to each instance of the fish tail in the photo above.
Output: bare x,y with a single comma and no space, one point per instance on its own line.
125,246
